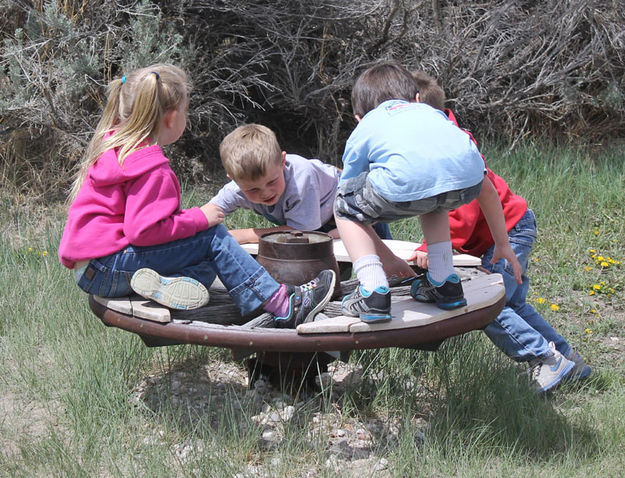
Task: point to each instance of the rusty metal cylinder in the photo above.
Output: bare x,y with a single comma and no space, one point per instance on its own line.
296,257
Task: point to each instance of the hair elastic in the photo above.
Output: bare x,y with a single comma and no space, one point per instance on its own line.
156,74
123,80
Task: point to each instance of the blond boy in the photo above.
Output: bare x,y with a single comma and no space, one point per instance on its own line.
290,191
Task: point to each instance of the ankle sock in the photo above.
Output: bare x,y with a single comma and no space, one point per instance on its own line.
370,272
278,303
440,258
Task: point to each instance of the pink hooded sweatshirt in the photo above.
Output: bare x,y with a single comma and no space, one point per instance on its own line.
137,203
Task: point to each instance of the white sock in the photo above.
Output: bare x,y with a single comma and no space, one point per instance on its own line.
370,272
441,264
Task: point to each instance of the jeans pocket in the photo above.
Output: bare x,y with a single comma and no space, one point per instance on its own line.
101,280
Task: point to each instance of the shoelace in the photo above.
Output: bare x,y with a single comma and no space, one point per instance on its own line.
534,369
308,286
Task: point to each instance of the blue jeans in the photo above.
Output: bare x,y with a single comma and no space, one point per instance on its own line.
382,230
520,331
204,256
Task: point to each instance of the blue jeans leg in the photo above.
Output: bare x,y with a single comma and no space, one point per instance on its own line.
382,230
520,331
207,254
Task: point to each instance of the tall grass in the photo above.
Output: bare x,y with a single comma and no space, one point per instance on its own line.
68,384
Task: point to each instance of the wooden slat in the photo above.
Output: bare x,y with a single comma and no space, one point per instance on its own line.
137,307
481,291
402,249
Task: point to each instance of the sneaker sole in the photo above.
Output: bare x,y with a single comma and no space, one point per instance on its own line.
182,293
561,376
375,318
451,305
324,301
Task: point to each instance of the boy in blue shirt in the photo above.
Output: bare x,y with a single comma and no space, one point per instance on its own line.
406,159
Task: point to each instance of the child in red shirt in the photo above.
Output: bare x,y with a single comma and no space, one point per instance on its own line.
519,331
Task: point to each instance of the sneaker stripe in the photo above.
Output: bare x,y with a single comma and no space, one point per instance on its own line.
563,373
556,365
372,318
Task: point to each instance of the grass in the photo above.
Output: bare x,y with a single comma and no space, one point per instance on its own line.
70,401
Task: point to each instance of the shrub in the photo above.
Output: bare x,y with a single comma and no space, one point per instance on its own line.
511,69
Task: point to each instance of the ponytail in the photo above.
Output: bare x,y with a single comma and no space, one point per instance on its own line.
132,116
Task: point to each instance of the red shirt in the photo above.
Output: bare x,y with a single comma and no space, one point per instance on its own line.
468,227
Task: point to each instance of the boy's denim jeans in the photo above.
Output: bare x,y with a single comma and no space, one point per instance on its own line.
519,330
210,253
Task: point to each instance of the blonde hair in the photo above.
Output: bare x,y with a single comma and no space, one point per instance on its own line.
134,108
429,91
248,150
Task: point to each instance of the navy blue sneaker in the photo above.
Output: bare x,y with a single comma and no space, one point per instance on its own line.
371,307
447,295
581,371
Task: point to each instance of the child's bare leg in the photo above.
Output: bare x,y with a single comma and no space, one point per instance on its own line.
371,300
393,266
435,227
358,239
362,243
440,285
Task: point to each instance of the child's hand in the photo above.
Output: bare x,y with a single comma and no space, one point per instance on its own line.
420,258
214,214
397,267
506,252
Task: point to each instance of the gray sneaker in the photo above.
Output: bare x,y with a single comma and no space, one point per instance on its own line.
181,293
306,300
371,307
548,373
581,370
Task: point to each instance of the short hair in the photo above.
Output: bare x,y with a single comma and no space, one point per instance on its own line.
248,150
384,81
429,91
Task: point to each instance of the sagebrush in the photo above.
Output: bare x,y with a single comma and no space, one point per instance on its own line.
513,70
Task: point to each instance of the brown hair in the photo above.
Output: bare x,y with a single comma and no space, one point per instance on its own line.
248,150
384,81
134,108
429,91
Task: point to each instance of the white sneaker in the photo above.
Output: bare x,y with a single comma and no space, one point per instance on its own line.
174,292
548,373
581,370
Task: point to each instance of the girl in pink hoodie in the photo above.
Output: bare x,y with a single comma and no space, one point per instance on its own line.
126,231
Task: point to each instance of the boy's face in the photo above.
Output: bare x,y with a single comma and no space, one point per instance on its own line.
267,189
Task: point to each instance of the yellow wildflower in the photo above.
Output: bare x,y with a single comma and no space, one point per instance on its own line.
540,300
588,331
554,307
587,268
592,292
604,264
596,286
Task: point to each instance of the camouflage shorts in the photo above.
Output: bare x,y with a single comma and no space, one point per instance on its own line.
357,200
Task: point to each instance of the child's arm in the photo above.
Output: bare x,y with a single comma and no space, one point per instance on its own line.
491,207
253,234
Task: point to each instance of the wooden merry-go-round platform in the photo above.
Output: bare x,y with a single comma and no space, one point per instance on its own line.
219,324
